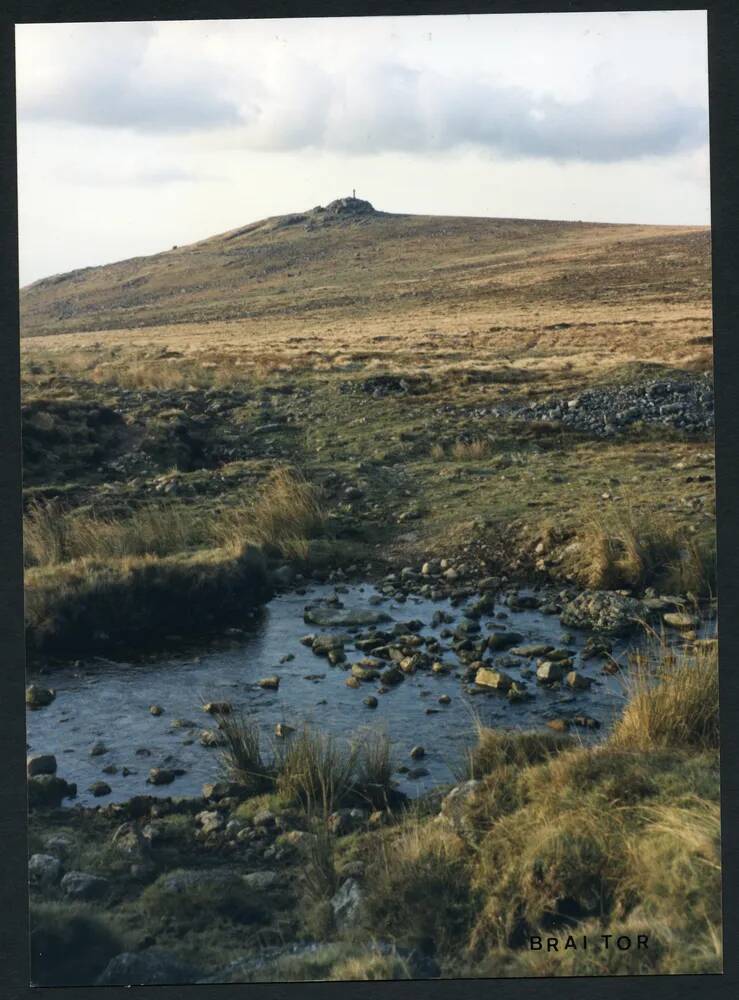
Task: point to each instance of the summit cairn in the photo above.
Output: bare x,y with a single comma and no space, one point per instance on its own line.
349,206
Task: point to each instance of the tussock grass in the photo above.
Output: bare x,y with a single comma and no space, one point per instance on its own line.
285,516
315,770
673,699
374,767
241,757
638,553
497,748
52,535
471,451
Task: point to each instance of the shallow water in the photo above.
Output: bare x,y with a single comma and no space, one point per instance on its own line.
110,703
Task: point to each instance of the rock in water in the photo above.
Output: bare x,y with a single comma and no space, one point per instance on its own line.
603,611
39,697
42,763
493,678
330,617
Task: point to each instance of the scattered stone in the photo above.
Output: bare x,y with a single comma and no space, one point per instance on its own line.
371,701
270,683
334,617
353,682
532,650
210,822
156,709
210,738
548,672
217,707
99,788
603,611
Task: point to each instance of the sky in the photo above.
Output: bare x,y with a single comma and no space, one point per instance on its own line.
136,136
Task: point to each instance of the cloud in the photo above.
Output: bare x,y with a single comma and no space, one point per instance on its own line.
353,102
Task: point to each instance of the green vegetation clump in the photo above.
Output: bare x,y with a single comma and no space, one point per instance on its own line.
70,944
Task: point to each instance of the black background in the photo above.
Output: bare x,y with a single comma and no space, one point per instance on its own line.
723,28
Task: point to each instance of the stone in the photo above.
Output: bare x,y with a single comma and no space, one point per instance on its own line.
532,650
270,683
417,752
353,682
343,617
444,699
578,681
391,676
265,818
38,696
364,672
603,611
44,870
42,763
503,640
46,791
681,620
454,805
559,725
209,738
98,749
371,701
346,904
548,672
99,788
282,730
81,885
259,881
210,821
160,776
217,707
156,709
417,772
151,967
496,679
60,844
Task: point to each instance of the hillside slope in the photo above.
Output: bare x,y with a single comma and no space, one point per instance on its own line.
350,262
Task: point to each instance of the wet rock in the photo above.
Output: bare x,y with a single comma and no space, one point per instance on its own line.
217,707
44,870
156,709
43,763
559,725
46,791
38,696
81,885
98,749
210,738
343,617
282,730
99,788
586,722
160,776
531,650
578,681
444,699
414,773
270,683
681,620
503,640
154,966
353,682
417,752
548,672
603,611
371,701
391,676
496,679
365,671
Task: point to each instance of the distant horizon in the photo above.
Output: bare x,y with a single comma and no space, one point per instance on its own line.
137,135
430,215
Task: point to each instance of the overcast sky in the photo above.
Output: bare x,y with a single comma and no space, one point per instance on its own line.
135,136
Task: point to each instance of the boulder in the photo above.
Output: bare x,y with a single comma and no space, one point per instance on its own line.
578,681
151,967
210,822
604,611
44,870
493,679
681,620
346,904
81,885
548,672
99,788
503,640
47,791
343,617
42,763
38,696
259,881
160,776
270,683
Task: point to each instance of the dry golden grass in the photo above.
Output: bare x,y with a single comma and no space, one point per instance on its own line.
673,699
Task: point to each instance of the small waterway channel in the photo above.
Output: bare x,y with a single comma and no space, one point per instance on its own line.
109,703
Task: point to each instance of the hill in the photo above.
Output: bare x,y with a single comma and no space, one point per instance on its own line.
346,268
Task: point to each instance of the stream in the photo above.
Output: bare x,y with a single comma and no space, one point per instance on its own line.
109,702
